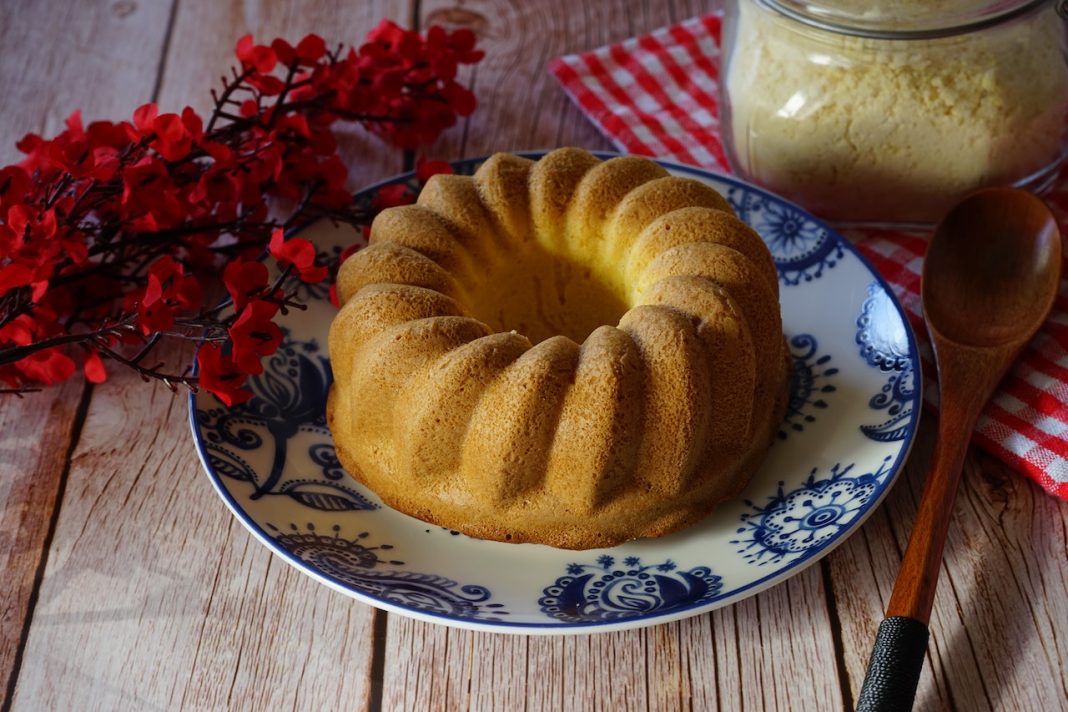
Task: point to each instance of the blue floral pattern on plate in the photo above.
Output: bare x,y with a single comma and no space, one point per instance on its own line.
605,591
287,399
273,462
810,384
354,563
803,249
887,348
796,523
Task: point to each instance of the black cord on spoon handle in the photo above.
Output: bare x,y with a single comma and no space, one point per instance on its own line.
895,666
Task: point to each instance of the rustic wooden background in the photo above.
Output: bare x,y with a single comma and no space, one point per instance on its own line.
127,585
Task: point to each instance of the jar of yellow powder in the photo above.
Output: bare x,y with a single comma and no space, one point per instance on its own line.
887,113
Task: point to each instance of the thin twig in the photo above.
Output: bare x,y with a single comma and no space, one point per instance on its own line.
171,380
228,90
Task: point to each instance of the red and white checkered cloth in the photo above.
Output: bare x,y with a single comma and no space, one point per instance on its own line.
657,95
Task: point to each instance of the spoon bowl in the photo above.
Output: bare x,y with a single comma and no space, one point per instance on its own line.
989,281
991,271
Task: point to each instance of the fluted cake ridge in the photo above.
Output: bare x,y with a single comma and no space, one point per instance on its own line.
567,351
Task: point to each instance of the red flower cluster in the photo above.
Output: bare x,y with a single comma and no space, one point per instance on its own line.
402,84
111,232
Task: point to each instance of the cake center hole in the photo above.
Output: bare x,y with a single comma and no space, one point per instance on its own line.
541,295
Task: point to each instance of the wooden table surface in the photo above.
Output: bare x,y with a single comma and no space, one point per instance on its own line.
128,585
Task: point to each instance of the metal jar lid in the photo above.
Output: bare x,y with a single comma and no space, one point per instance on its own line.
916,20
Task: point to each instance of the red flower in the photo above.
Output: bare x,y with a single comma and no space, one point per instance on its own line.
267,84
283,51
143,116
30,224
255,56
10,241
94,368
40,288
48,367
296,123
390,196
460,99
254,336
220,377
173,140
193,123
169,292
153,313
14,183
424,169
391,36
109,229
182,289
463,42
18,331
297,252
243,279
173,134
150,199
14,276
311,49
216,185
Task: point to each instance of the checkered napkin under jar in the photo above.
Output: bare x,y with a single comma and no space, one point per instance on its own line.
657,95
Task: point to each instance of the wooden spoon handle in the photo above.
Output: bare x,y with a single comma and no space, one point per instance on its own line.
897,657
914,588
967,379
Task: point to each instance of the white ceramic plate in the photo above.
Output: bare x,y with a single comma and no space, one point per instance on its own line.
854,406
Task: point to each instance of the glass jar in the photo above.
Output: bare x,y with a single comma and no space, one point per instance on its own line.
872,117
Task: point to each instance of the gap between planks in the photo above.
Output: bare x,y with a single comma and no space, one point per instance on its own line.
76,430
31,604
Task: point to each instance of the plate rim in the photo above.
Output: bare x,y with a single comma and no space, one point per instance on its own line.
604,626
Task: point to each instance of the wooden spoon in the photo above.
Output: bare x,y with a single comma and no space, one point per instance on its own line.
989,281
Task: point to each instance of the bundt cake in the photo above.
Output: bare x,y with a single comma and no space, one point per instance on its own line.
480,382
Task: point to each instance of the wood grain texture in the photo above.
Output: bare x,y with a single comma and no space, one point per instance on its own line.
55,51
521,106
1001,610
154,597
780,649
768,652
33,459
61,56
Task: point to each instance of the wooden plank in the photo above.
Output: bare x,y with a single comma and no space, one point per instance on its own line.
1002,602
33,457
60,57
768,652
150,573
503,679
761,653
65,56
521,106
432,684
154,597
777,648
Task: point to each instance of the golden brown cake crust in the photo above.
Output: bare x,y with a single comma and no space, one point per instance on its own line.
582,435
